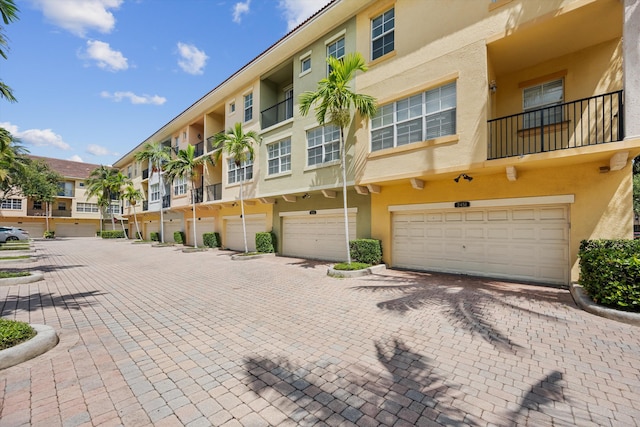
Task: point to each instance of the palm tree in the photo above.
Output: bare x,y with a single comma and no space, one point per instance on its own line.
132,195
238,145
118,182
9,13
101,184
334,99
185,165
156,154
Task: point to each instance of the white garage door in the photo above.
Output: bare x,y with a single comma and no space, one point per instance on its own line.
171,227
76,230
523,243
203,225
234,237
316,236
35,229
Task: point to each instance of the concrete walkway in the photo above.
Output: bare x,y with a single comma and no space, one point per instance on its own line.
155,336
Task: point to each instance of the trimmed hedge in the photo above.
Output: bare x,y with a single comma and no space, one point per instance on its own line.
112,234
49,234
179,237
211,240
155,236
367,251
610,272
266,242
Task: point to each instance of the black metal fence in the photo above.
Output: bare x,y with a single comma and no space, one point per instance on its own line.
278,113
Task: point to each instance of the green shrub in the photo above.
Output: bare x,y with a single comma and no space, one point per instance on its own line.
350,267
98,233
179,237
112,234
610,272
211,240
368,251
49,234
13,333
155,236
266,242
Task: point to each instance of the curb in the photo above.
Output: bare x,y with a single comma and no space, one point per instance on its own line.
346,274
45,339
35,276
583,301
241,257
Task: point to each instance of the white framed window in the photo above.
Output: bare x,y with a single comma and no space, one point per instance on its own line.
323,145
113,208
420,117
248,107
13,204
154,190
232,107
305,64
335,49
179,186
87,207
65,189
129,171
543,103
279,154
383,34
236,173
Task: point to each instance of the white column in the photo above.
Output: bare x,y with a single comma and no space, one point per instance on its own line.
631,60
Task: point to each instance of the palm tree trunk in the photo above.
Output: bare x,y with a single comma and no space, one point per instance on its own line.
343,155
161,203
135,218
193,204
46,214
244,226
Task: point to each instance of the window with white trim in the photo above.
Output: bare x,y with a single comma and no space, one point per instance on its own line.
232,107
543,104
383,34
236,173
13,204
279,154
248,107
179,186
154,190
424,116
113,208
335,49
323,145
87,207
305,64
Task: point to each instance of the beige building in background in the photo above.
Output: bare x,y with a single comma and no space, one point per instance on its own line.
504,137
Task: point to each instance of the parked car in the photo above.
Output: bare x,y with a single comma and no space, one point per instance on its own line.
8,234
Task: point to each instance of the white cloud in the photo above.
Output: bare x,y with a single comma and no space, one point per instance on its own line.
296,11
80,16
133,98
76,158
37,137
106,57
192,59
239,9
98,150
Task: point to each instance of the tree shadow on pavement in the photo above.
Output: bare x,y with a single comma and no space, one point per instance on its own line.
545,392
39,301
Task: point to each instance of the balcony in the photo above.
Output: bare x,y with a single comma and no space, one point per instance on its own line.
166,201
214,192
277,113
61,213
65,192
145,174
198,195
145,205
581,123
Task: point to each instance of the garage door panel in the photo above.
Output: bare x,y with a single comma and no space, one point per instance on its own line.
75,230
322,236
234,234
530,243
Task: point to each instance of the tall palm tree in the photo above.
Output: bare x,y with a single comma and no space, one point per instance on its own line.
238,145
118,182
9,13
185,165
101,184
156,154
334,100
132,195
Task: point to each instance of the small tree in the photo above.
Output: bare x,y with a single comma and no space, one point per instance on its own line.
132,195
156,154
238,146
40,183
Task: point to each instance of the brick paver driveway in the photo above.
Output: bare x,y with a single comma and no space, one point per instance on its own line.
154,336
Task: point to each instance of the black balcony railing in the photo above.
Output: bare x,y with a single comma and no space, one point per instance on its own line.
199,149
214,192
278,113
589,121
145,205
145,174
166,201
198,195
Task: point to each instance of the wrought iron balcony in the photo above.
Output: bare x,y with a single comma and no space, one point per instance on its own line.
166,201
145,173
214,192
199,149
145,205
198,195
588,121
278,113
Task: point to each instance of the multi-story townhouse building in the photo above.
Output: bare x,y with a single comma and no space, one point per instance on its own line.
71,214
504,137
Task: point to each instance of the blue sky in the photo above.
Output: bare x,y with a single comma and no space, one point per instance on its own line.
94,78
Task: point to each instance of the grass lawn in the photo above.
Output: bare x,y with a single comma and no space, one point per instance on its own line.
10,274
13,333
